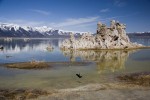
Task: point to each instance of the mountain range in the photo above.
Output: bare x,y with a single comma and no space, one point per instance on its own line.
14,30
139,34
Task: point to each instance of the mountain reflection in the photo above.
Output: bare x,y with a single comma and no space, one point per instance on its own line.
20,45
104,60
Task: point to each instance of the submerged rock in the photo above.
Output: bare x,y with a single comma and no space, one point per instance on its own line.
50,48
113,37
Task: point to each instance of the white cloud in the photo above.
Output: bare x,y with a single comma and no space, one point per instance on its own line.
72,24
22,22
34,23
121,16
87,25
77,24
77,21
104,10
68,22
41,11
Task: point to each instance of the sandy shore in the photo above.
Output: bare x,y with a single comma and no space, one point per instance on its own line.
134,86
111,91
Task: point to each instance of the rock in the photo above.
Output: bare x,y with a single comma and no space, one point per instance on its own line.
50,48
112,25
113,37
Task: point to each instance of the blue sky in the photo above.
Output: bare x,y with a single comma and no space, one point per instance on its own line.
76,15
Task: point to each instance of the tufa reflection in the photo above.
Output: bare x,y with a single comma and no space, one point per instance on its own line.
105,60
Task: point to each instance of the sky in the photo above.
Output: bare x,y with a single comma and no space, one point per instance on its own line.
77,15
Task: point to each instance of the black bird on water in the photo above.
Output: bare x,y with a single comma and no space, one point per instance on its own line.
79,76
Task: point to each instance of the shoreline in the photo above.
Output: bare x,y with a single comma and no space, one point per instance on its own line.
97,92
96,49
107,91
88,91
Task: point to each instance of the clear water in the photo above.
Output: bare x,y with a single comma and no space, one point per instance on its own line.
103,66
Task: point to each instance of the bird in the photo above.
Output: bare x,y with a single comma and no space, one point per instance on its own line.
79,76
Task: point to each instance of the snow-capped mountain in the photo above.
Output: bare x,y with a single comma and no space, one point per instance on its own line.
142,34
14,30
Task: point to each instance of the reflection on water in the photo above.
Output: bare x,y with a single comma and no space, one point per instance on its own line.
105,60
18,45
108,63
23,51
141,40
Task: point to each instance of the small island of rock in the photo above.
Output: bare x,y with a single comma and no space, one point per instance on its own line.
113,37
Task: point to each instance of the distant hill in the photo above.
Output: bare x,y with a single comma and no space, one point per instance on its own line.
13,30
141,34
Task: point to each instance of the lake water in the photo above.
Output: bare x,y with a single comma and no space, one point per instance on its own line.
98,66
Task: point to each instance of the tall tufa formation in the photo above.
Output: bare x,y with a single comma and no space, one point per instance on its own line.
113,37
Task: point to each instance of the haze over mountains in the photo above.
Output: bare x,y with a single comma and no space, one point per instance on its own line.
13,30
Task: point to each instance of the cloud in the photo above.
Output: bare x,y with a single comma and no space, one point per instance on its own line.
87,25
72,24
104,10
28,23
105,20
77,21
77,24
22,22
68,22
41,11
119,3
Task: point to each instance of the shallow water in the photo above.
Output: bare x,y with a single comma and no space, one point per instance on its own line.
103,66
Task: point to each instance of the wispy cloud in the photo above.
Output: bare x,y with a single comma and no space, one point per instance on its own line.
105,20
77,24
72,24
104,10
77,21
87,25
119,3
40,11
22,22
68,22
29,23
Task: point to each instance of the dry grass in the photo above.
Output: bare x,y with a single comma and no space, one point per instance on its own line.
29,65
21,94
142,79
43,65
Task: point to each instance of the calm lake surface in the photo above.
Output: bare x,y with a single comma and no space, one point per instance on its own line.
98,66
